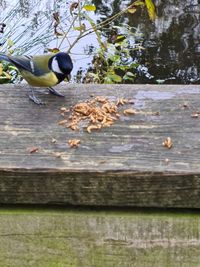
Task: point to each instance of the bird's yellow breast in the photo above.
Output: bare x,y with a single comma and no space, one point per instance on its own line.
47,80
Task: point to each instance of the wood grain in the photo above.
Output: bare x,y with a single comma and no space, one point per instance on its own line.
123,165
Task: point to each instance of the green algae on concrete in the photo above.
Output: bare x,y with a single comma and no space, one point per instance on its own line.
82,238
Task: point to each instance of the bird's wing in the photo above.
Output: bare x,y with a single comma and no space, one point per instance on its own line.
37,65
21,62
4,57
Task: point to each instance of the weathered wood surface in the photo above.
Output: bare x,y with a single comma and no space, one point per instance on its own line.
95,239
124,165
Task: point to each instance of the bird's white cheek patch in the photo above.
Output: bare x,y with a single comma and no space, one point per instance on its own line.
55,66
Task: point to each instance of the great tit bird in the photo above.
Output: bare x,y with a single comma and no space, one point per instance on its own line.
42,71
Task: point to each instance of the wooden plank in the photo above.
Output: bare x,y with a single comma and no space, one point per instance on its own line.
124,165
50,238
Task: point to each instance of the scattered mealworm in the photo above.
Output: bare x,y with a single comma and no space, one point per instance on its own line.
168,143
57,154
74,143
109,108
33,150
101,99
117,115
97,113
185,105
108,124
63,109
167,161
82,108
195,115
130,111
53,140
122,101
73,125
90,128
102,161
63,122
157,113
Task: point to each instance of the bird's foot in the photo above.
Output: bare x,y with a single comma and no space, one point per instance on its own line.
36,100
54,92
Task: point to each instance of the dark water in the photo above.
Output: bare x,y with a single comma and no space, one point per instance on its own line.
171,44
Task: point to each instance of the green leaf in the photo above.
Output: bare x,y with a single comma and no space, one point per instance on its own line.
122,67
120,39
151,9
80,28
126,77
114,58
134,65
160,81
89,7
139,3
10,67
10,42
132,10
5,75
133,7
115,78
108,80
130,74
53,50
1,69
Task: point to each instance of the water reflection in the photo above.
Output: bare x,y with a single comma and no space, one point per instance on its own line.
172,42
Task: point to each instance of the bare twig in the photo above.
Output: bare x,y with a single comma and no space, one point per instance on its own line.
65,35
81,32
99,26
92,29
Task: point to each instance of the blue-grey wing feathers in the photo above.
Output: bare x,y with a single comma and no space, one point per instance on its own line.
4,57
24,63
21,62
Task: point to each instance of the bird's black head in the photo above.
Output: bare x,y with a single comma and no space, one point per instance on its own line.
61,64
